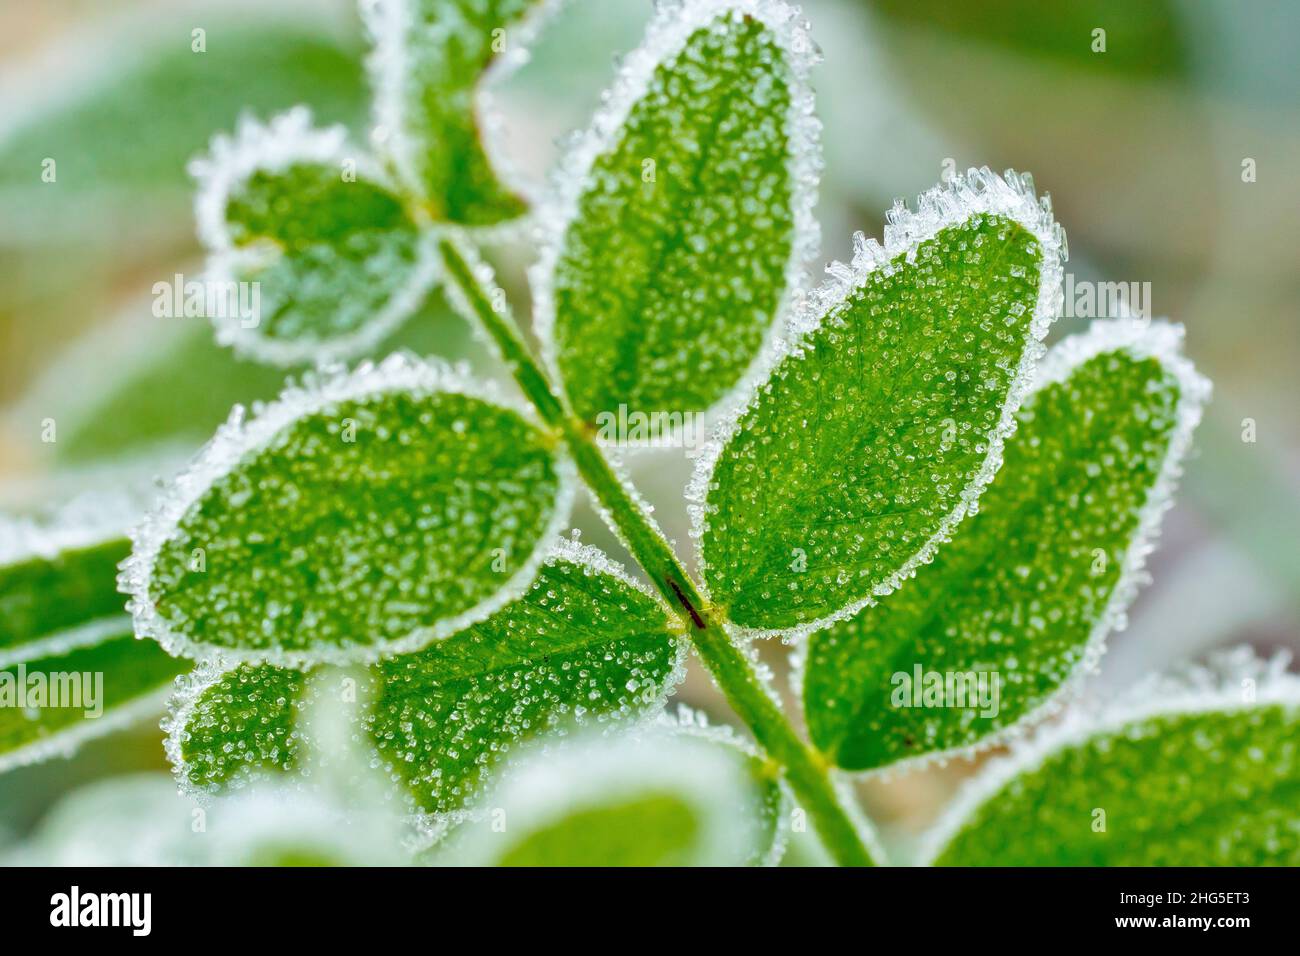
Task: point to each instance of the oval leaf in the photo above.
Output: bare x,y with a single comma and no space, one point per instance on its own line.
1019,603
660,799
583,644
311,255
428,60
360,515
687,219
883,422
1199,772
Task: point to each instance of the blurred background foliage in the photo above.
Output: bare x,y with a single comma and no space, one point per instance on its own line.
1141,147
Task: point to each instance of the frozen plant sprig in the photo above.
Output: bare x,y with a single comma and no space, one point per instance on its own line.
859,436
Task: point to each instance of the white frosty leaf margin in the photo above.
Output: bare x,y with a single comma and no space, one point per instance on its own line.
978,192
190,688
1218,685
288,140
695,723
239,438
675,22
389,25
550,781
1140,339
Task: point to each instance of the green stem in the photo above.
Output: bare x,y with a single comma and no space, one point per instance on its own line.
804,768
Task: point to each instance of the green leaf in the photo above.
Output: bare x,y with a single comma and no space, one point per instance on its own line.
71,669
1143,40
358,515
51,705
1018,605
228,725
884,420
686,219
1199,770
428,61
69,585
312,254
583,644
658,799
122,129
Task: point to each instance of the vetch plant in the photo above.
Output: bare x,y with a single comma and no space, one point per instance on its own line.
901,481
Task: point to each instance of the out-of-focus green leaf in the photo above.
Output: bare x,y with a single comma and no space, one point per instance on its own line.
49,705
656,800
1141,39
311,255
429,58
42,594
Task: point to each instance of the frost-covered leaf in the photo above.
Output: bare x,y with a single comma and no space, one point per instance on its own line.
228,725
50,705
1191,771
659,799
311,254
358,515
583,644
882,423
429,59
1019,603
685,216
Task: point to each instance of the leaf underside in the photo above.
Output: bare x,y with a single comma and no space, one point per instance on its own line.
328,252
665,289
1016,594
446,49
358,525
862,444
579,646
1203,789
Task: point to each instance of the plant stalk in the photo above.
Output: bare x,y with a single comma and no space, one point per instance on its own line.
804,769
